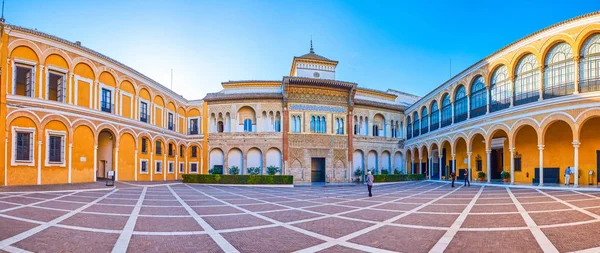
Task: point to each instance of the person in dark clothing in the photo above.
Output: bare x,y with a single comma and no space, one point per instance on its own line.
370,179
467,180
453,176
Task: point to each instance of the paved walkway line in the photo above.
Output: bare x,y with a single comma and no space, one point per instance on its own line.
218,238
545,243
443,243
123,242
9,241
32,204
63,191
344,239
595,216
15,250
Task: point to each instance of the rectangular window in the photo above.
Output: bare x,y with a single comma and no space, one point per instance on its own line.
24,147
181,151
144,146
193,126
193,167
144,111
158,169
143,166
194,152
56,86
170,123
181,168
55,149
517,161
106,101
24,76
171,149
158,148
171,167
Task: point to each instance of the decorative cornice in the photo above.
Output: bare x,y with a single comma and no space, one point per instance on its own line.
237,96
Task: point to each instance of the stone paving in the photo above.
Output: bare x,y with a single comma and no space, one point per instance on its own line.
422,216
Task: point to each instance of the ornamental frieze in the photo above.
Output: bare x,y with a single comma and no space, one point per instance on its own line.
317,108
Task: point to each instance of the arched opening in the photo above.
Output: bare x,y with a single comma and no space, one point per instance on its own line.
527,87
247,120
358,160
435,166
416,124
478,98
435,116
409,130
235,162
398,163
461,158
446,111
559,71
378,125
409,162
216,160
478,155
274,160
416,163
500,89
446,159
104,161
590,60
254,163
558,152
372,162
424,166
526,154
499,158
589,151
386,163
424,120
460,104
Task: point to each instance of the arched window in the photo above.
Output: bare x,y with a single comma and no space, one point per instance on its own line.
500,90
478,98
220,126
393,128
435,116
312,124
559,73
356,128
416,124
293,124
527,87
323,125
408,128
424,121
460,105
590,65
298,124
446,111
375,130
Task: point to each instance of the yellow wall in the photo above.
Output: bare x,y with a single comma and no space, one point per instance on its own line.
590,144
558,147
126,158
22,175
83,155
55,174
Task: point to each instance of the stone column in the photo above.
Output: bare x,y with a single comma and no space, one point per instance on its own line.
39,170
487,99
95,161
577,77
440,165
454,163
452,107
512,90
420,165
70,162
489,165
469,106
541,149
576,145
151,166
41,84
469,164
512,165
541,82
116,164
135,165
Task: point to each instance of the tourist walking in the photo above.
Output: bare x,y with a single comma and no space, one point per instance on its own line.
370,179
467,179
453,176
568,176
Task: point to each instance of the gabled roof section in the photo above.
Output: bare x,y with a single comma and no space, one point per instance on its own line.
313,56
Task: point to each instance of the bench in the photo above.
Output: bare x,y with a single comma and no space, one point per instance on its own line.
551,175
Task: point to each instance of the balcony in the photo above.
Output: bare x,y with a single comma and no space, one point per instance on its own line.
559,90
144,118
527,97
193,131
589,85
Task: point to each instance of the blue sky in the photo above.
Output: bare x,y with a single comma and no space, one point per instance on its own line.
398,44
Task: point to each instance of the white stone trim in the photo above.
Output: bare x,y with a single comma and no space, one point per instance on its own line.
56,70
162,109
63,135
112,96
190,169
13,159
171,163
156,167
166,120
76,83
18,61
124,93
147,166
148,110
180,167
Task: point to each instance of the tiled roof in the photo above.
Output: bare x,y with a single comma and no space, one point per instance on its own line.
318,82
218,96
313,56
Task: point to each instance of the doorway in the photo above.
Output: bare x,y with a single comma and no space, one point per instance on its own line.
106,143
497,163
317,170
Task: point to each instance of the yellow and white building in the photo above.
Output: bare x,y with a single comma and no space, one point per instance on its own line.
72,114
532,104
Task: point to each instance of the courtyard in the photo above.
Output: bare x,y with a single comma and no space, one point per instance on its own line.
419,216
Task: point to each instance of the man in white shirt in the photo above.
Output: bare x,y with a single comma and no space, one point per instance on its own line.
568,176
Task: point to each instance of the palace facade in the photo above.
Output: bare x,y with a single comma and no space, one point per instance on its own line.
74,115
530,109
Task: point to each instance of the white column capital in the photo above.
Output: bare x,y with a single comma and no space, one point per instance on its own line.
488,151
540,147
511,149
469,154
576,144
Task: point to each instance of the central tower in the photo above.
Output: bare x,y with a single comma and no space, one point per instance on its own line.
312,65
